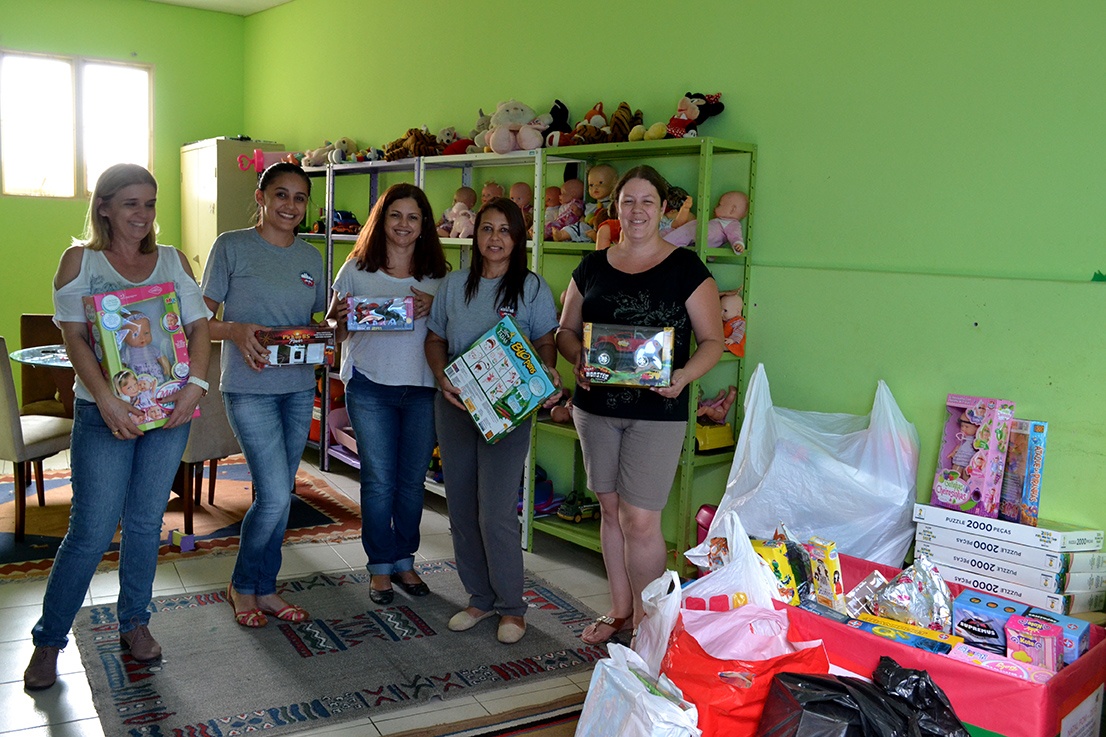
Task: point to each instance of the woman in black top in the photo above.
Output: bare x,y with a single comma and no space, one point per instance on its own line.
632,437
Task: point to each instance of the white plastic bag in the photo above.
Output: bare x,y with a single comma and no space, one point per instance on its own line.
620,704
660,601
847,478
736,569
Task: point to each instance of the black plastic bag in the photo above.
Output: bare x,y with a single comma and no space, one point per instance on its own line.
901,703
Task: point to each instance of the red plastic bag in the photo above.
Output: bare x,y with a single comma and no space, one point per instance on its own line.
730,692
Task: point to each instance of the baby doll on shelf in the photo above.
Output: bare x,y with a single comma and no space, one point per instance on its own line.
570,212
723,228
137,350
677,210
490,191
733,322
601,181
609,232
522,194
715,410
464,196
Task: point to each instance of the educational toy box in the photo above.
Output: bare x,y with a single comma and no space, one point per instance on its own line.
138,338
1021,480
973,454
298,346
501,378
628,355
380,313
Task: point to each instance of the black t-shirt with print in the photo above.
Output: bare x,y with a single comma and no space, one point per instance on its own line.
653,298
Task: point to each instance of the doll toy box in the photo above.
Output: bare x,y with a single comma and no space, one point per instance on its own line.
380,313
628,355
138,338
298,346
502,380
973,455
1025,464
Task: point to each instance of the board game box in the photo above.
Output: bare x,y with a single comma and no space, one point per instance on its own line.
138,338
380,313
501,378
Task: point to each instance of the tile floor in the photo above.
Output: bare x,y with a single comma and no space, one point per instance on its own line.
66,710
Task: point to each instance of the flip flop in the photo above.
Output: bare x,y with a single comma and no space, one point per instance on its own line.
617,624
288,613
252,618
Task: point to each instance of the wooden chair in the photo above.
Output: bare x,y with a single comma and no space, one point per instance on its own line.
38,386
209,439
26,440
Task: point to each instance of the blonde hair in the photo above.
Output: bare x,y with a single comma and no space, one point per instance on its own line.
97,228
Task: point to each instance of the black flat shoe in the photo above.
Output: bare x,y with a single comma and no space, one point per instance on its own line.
414,589
381,597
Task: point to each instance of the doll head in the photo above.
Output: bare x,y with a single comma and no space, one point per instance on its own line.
138,331
601,181
552,196
126,384
967,426
676,198
572,189
732,206
466,195
490,191
522,194
145,383
731,303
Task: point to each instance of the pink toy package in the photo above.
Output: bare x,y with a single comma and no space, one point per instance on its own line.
973,455
138,338
1035,642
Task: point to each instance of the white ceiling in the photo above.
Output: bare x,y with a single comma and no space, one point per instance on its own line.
235,7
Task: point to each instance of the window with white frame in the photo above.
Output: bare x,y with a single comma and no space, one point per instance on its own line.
63,120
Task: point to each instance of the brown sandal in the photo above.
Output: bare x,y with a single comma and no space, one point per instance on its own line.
617,624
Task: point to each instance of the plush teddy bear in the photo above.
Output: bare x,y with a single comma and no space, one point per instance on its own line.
446,137
515,126
724,228
320,156
415,142
733,322
483,122
693,109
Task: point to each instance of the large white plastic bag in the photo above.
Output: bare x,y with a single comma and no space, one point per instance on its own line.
847,478
619,704
735,566
660,600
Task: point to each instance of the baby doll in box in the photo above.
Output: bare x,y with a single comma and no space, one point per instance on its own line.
973,454
724,228
464,197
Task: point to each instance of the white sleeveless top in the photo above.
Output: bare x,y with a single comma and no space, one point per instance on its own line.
97,276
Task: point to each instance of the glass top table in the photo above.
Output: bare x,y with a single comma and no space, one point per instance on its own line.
47,356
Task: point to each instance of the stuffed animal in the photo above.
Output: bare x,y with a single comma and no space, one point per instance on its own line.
415,142
515,126
733,322
460,146
693,109
622,122
462,196
368,154
483,122
593,128
723,229
655,132
559,119
320,156
464,221
446,137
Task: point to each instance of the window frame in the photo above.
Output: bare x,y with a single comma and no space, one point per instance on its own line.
76,68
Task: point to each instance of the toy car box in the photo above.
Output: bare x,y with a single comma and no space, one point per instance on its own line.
380,313
989,703
501,378
138,338
973,454
628,355
298,346
1021,480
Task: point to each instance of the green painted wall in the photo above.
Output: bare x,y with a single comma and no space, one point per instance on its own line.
928,178
198,84
929,174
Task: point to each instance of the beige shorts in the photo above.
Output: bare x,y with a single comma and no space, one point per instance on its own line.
635,458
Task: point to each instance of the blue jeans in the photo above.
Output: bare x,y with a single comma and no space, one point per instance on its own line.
272,430
395,439
113,480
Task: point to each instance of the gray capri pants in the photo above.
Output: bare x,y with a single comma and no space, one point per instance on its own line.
635,458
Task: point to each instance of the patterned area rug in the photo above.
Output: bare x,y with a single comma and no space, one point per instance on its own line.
319,513
350,660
